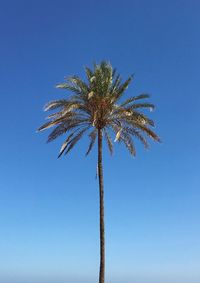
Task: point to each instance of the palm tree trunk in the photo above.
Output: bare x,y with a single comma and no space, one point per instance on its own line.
101,199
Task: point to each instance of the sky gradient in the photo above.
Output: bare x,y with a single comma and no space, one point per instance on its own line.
49,207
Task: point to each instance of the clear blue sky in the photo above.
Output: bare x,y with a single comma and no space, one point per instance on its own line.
49,207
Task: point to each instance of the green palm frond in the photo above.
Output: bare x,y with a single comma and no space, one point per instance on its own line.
89,73
123,87
115,85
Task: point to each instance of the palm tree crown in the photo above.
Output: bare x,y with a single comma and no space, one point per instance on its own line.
96,105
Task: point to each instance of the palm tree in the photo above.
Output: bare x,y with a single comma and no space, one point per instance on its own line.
96,106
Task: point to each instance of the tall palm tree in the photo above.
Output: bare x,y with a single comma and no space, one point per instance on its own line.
95,106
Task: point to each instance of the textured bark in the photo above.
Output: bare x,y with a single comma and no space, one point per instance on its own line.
101,199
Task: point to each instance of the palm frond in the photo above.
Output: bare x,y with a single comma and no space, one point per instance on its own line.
92,136
137,134
65,144
134,98
89,73
106,77
142,119
142,105
123,87
64,127
54,115
126,138
70,87
148,131
75,139
47,125
132,116
109,141
75,80
58,131
114,71
55,104
115,85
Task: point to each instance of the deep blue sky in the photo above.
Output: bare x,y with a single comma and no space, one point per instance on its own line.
49,207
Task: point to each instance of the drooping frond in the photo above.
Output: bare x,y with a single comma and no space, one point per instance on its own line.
58,131
64,127
126,138
92,137
137,134
56,121
65,144
149,132
109,141
75,139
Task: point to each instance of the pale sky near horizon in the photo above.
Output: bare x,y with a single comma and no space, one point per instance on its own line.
49,207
